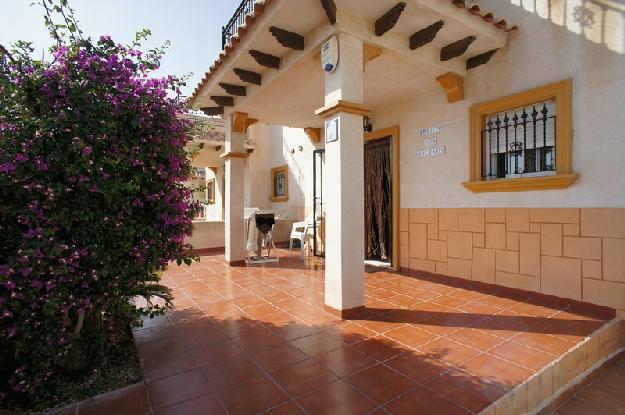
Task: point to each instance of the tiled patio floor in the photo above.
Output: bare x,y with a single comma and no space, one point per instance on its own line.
252,340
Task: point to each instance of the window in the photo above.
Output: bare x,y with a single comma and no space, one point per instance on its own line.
523,142
210,191
280,184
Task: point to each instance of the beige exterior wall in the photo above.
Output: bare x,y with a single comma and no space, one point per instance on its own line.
571,253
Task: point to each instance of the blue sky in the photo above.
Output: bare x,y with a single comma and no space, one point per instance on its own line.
192,26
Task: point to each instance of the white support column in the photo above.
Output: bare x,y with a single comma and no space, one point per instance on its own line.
235,156
344,186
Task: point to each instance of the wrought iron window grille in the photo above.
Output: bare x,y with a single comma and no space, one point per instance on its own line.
520,142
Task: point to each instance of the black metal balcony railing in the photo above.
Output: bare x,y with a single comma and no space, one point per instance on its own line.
238,18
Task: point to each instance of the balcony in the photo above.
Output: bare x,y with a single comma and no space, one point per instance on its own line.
238,18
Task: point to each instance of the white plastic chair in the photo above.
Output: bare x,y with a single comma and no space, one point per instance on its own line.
299,232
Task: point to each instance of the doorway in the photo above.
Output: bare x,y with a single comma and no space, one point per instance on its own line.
378,175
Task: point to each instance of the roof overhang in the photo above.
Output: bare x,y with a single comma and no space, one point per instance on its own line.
289,94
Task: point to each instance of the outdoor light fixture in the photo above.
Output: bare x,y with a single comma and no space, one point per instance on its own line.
300,148
366,124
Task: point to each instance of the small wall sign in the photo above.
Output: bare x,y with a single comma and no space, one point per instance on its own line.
432,152
332,130
330,55
431,130
431,141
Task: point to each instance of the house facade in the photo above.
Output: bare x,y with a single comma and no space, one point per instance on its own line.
480,141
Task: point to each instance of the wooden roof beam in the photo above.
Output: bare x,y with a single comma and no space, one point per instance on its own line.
231,89
223,101
265,59
212,111
389,19
480,59
248,76
425,36
330,8
457,48
288,39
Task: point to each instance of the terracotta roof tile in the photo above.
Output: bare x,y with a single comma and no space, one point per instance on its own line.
261,5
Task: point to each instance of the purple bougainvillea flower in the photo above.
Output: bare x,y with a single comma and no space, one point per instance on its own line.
87,151
7,167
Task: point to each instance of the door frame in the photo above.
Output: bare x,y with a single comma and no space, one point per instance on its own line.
393,133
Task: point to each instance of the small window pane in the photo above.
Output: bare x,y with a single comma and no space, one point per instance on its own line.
279,184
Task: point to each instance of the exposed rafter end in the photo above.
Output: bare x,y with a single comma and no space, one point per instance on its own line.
425,36
265,59
330,8
480,59
212,111
453,85
248,76
223,101
288,39
235,90
314,134
457,48
389,19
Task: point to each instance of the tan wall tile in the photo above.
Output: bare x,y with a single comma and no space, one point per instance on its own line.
539,388
403,238
423,215
512,241
607,293
614,259
404,256
586,248
592,351
607,223
554,215
591,269
442,235
460,245
403,220
418,240
483,268
432,231
513,403
561,277
518,219
460,268
507,261
529,254
448,219
522,282
471,220
535,227
570,230
609,339
422,265
495,236
496,215
441,268
551,239
557,375
478,240
437,250
574,363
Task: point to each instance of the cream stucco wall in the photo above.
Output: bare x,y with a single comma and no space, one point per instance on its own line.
544,50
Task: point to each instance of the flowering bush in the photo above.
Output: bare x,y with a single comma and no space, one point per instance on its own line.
92,202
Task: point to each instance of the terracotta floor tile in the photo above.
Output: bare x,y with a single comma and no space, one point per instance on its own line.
449,301
474,338
468,391
317,344
380,348
253,342
279,357
411,336
549,344
177,388
338,398
251,397
127,401
448,351
303,377
527,357
167,365
424,401
203,405
381,383
503,374
417,366
199,336
286,408
216,352
345,361
230,372
578,406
